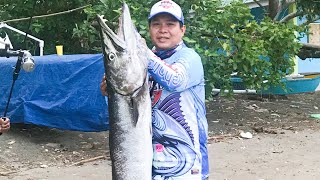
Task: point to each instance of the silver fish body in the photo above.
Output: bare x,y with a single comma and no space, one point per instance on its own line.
129,103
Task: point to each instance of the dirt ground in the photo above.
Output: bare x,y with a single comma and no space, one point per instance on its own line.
268,114
284,143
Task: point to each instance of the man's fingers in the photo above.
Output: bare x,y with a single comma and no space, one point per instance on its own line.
103,87
5,118
5,125
103,78
3,130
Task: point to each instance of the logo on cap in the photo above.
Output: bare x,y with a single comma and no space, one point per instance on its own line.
166,4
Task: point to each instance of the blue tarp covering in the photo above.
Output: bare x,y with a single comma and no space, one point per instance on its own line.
62,92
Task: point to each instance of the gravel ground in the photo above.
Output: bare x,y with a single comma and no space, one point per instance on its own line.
283,145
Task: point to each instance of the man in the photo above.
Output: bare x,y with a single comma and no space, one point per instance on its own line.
4,124
178,99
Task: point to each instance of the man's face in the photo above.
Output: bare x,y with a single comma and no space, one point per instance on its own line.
165,31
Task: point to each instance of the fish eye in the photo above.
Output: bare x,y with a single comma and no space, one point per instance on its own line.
112,56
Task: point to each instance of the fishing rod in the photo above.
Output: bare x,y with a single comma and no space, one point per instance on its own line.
25,60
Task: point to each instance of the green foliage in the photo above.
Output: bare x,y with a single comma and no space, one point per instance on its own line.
53,30
227,37
229,41
311,9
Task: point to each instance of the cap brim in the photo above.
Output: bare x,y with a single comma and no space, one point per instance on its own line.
156,14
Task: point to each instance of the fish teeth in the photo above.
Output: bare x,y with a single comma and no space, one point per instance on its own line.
102,18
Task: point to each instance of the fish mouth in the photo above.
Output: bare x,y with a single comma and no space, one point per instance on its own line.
113,42
124,57
123,38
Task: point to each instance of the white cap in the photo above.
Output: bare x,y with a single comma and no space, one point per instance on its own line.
167,6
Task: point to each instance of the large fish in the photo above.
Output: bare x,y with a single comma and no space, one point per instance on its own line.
126,61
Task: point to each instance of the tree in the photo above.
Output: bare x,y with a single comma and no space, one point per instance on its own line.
53,30
308,10
231,41
227,37
261,53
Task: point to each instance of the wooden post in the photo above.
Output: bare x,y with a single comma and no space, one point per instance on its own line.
293,8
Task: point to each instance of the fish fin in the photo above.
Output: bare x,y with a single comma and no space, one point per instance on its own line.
142,94
135,111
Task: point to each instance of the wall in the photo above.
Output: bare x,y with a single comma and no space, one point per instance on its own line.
310,64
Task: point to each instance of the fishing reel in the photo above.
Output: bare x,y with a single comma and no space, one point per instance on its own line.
25,59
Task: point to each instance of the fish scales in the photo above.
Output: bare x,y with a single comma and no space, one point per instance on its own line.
129,103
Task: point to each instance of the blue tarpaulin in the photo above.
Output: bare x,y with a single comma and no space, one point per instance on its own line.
62,92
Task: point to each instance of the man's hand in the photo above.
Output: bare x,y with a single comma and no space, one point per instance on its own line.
103,86
4,124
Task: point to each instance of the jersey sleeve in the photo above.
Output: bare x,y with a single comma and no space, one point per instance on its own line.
185,71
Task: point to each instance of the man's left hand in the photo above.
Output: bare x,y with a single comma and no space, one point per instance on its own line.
4,124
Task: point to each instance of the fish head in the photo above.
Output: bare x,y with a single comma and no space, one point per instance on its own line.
125,55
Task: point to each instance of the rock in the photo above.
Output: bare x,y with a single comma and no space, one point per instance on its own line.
274,114
87,146
44,166
53,145
294,106
262,110
246,135
11,142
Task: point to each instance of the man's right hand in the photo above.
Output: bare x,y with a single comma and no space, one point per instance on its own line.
103,86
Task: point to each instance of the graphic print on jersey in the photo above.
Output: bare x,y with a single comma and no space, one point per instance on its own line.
173,139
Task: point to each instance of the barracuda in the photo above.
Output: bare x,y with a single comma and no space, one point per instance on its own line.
126,61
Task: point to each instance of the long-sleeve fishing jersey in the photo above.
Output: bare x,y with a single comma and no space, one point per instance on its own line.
179,121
